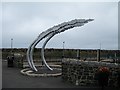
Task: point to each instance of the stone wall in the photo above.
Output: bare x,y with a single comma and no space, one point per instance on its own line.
18,60
84,72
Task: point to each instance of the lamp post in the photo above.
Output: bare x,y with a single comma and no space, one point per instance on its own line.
11,43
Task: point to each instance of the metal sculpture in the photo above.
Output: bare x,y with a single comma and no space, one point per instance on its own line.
49,34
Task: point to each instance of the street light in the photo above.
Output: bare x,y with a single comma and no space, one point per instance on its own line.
11,43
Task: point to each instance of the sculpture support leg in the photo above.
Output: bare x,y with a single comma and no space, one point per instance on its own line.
42,51
31,52
30,59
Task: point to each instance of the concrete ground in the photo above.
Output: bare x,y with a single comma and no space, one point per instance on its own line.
12,78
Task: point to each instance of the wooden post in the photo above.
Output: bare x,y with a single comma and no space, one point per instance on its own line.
115,57
98,55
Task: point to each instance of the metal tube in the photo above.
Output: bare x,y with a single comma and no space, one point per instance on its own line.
30,51
30,61
42,51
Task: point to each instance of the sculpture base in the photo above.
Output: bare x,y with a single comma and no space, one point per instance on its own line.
43,71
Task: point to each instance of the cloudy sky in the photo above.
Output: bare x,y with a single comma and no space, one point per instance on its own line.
24,21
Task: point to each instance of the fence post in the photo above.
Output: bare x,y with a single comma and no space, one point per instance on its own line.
98,55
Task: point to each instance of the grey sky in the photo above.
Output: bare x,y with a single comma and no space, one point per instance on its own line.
25,21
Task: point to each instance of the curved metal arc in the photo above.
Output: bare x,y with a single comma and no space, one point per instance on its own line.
30,51
50,33
42,51
30,57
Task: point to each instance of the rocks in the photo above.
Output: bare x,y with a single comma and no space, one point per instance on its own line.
84,72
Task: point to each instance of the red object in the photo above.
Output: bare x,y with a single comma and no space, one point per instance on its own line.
104,69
